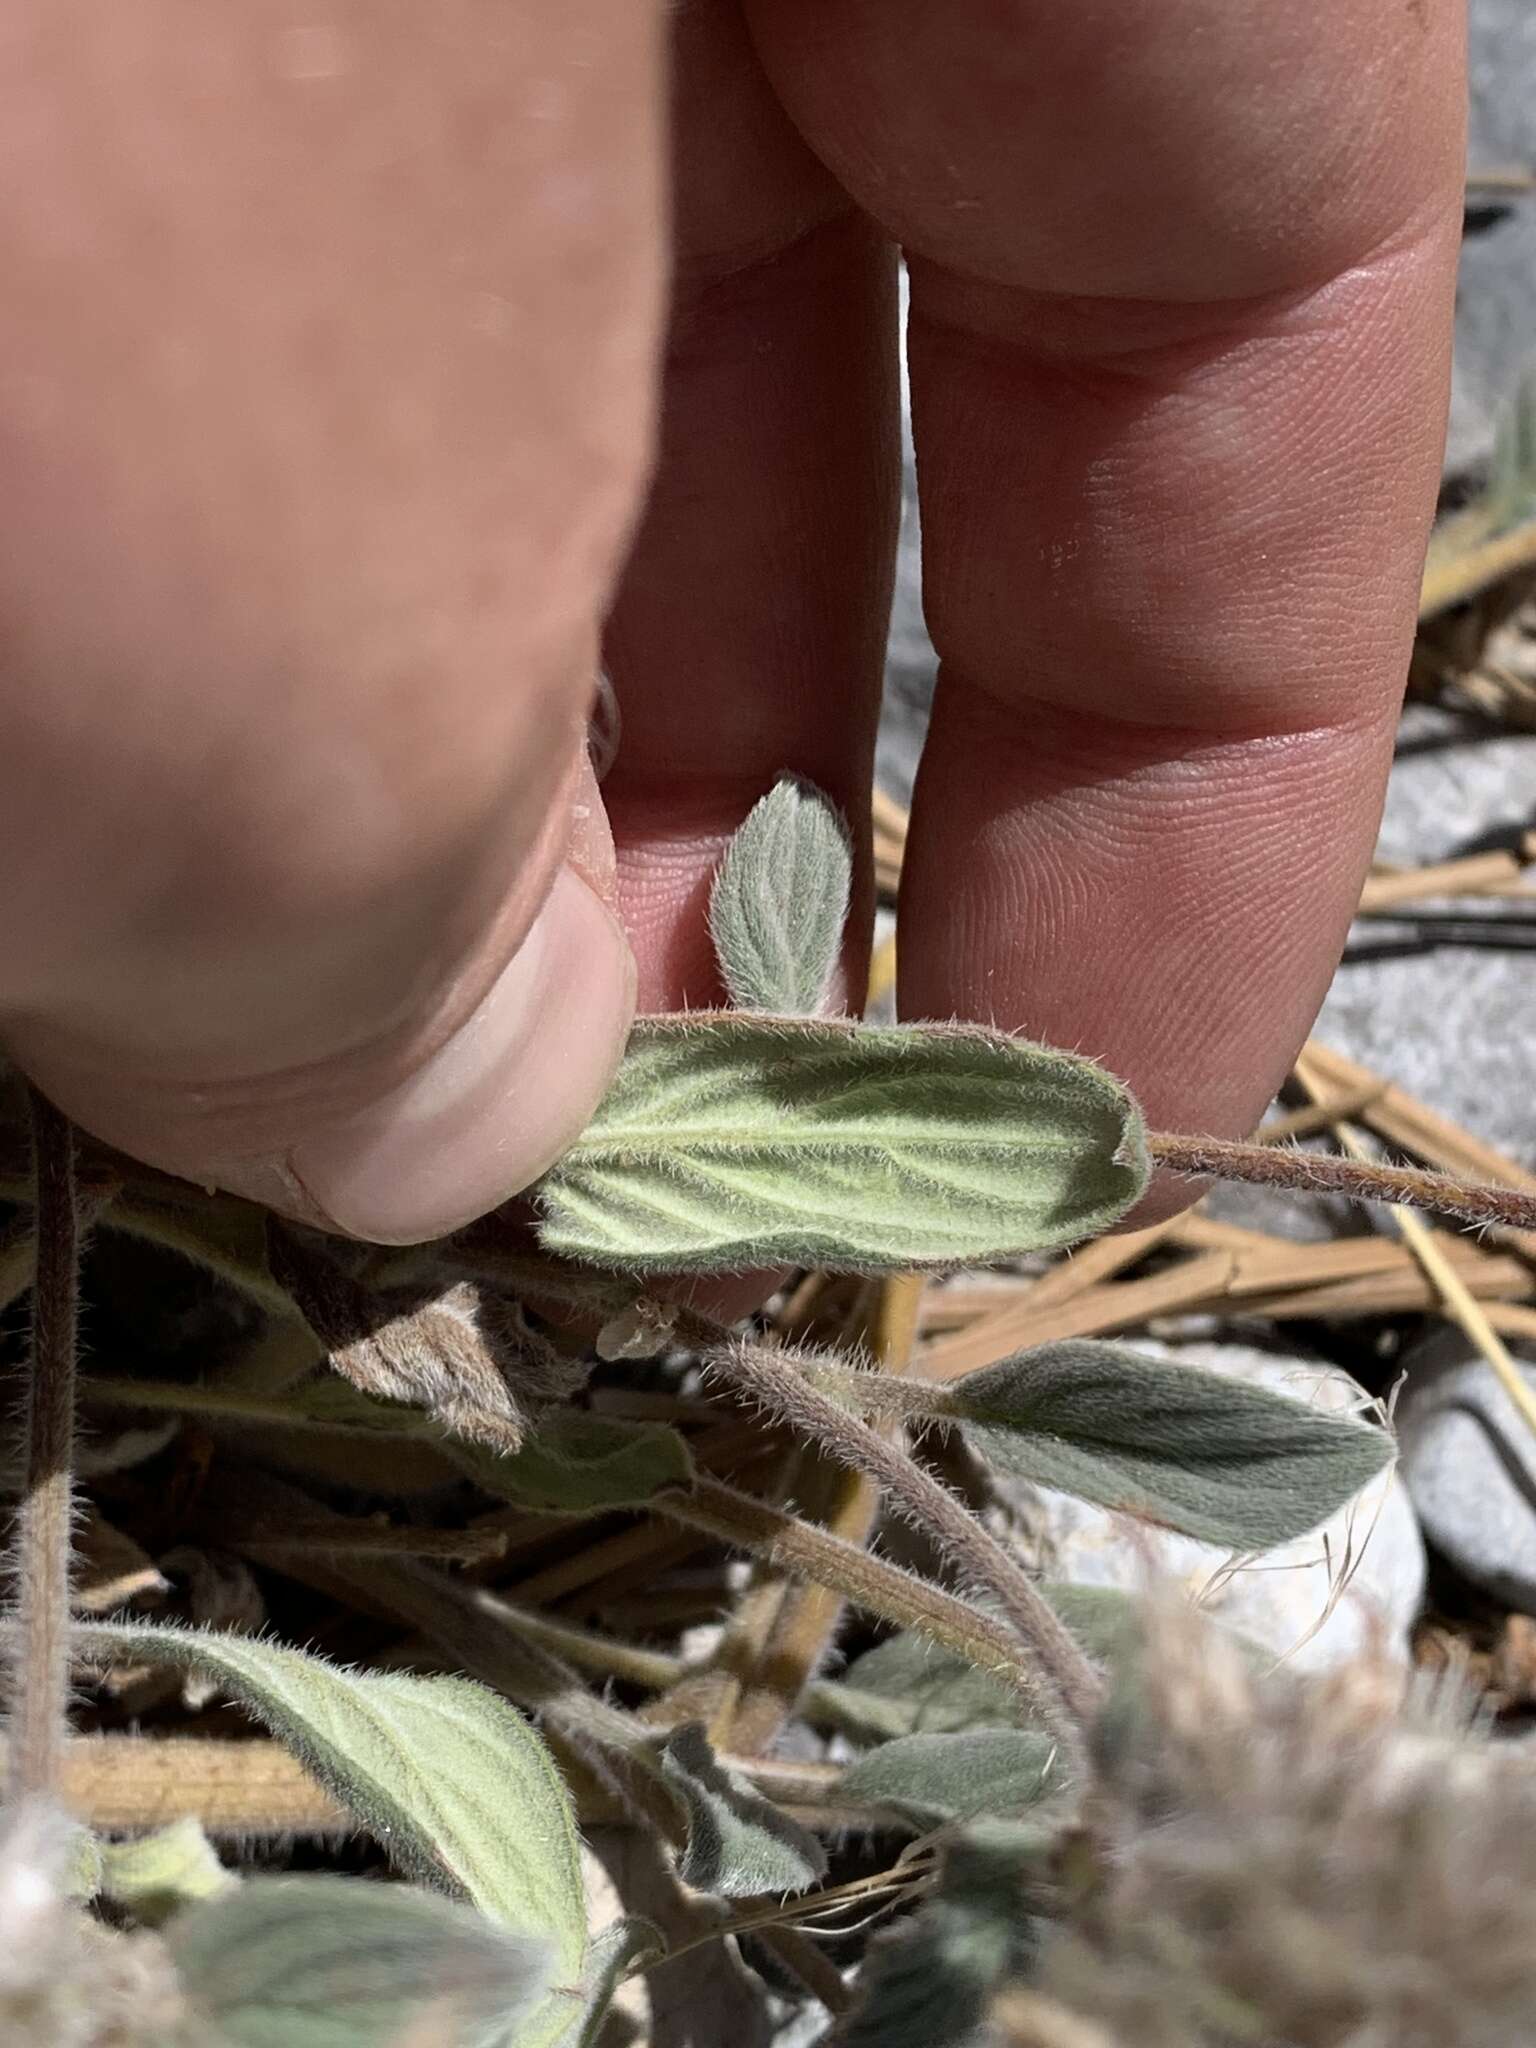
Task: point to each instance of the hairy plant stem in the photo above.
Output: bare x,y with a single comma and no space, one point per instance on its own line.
18,1242
1068,1688
869,1583
40,1675
255,1789
1320,1173
845,1502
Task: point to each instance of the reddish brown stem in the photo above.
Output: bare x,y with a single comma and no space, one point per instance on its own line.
887,1591
1323,1173
1070,1690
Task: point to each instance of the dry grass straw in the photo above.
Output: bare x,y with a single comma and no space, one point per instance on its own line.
1458,1300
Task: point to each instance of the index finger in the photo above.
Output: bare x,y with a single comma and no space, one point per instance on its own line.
1181,290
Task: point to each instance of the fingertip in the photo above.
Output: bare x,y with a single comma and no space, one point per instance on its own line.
498,1103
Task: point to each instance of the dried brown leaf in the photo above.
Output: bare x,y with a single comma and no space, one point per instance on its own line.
463,1351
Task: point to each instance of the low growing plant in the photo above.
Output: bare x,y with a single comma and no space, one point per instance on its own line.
1052,1781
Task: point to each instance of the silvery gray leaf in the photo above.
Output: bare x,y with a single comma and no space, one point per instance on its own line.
739,1845
1213,1457
780,901
932,1778
447,1776
341,1962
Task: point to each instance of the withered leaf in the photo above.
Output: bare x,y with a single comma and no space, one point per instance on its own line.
464,1351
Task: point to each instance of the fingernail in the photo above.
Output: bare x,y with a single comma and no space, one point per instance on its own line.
605,726
500,1101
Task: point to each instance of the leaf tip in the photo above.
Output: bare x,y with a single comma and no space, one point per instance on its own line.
779,900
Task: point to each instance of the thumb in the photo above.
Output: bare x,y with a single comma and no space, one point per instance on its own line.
423,1118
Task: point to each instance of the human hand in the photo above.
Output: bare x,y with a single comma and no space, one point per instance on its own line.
325,394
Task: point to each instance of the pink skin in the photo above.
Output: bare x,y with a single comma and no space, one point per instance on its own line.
327,395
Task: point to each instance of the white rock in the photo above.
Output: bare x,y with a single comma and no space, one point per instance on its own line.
1355,1582
1469,1463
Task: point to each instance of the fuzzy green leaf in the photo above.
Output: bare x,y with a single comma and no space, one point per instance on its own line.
1212,1457
738,1844
929,1982
220,1233
864,1717
573,1463
908,1685
156,1875
729,1142
780,900
1511,493
465,1352
1106,1621
954,1777
577,1463
337,1962
610,1956
444,1774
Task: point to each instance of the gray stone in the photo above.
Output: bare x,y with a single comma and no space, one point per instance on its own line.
1453,1025
1458,786
1316,1602
1496,298
1472,430
1279,1212
1456,1029
1469,1463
